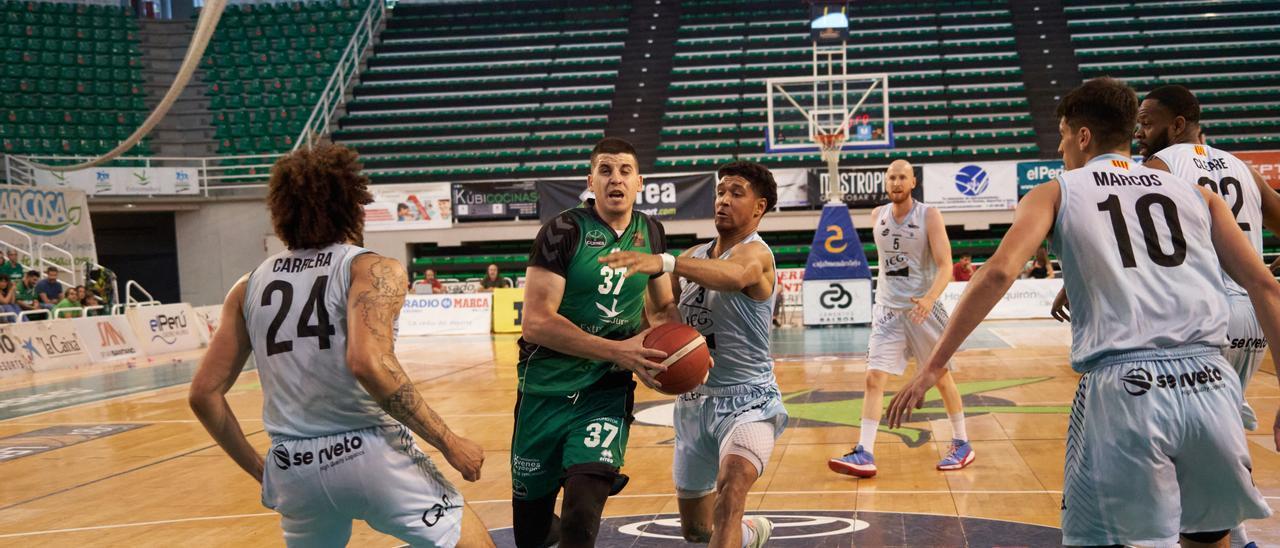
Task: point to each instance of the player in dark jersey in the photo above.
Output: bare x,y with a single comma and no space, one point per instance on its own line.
583,330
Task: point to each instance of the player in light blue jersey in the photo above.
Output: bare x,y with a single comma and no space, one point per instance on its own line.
319,319
1155,450
726,428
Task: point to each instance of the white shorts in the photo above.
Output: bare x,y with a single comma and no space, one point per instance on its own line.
894,337
1155,449
1245,346
704,420
378,474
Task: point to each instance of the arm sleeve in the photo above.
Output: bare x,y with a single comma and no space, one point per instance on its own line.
555,245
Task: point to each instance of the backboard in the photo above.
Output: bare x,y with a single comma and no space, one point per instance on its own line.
801,107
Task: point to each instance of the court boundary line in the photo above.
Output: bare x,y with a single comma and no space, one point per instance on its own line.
265,514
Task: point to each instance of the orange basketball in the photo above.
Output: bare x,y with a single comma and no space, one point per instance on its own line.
688,359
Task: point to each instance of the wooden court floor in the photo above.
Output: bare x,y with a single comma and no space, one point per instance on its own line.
119,460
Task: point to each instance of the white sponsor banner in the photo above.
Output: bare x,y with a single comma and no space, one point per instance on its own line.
13,358
791,287
793,187
211,316
1026,299
446,314
51,344
837,302
971,186
409,207
109,181
58,217
166,328
107,338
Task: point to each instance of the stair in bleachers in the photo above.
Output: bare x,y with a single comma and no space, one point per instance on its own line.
642,87
1228,56
1049,67
956,87
473,90
70,81
187,129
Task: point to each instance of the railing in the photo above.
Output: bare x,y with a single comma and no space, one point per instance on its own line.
45,264
121,308
4,315
115,281
335,91
128,294
26,315
75,311
216,172
22,251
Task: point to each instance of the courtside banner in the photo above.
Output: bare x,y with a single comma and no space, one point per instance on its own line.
1031,174
121,181
980,186
836,253
166,328
861,187
107,338
690,197
55,216
1267,162
790,287
1026,299
13,358
837,302
409,207
211,315
508,309
465,314
51,344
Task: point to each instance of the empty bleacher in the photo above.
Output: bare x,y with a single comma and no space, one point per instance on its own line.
493,90
1226,51
956,85
71,80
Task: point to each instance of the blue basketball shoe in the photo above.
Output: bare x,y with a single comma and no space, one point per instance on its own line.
858,463
960,456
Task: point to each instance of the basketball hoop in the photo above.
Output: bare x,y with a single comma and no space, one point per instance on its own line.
831,144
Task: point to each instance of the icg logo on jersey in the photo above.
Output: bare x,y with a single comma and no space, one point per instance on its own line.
972,180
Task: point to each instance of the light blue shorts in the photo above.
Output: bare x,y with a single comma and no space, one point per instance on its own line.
1245,346
704,419
1154,449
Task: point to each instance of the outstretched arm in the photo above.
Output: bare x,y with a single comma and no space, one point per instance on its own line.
1032,223
378,286
748,269
218,371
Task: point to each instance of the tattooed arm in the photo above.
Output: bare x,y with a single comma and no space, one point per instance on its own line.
378,286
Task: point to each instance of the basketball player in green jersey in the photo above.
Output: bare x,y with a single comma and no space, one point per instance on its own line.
583,330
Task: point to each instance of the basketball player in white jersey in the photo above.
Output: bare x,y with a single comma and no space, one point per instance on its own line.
726,428
915,267
320,320
1154,446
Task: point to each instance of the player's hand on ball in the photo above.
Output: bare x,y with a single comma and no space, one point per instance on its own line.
1061,310
633,262
632,355
465,456
924,306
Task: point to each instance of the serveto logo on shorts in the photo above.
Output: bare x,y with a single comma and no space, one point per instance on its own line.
1138,381
1249,343
349,446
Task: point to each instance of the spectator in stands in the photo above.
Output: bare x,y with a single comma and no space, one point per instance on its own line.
49,290
11,268
492,279
100,282
27,297
962,271
70,299
430,279
8,300
91,299
1039,267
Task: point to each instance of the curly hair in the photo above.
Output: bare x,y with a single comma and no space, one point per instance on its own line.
760,177
317,197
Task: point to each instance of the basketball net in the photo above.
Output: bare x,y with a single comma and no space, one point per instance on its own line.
831,144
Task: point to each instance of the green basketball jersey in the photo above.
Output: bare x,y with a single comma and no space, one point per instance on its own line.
598,299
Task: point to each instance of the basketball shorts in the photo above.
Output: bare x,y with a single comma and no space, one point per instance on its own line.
895,337
553,433
378,474
1245,346
1154,449
704,419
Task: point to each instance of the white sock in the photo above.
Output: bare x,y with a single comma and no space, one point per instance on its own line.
748,534
867,437
1239,537
957,426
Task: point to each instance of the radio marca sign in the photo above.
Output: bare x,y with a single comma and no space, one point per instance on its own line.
446,314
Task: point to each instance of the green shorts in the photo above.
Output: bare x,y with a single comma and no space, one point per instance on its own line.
553,433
